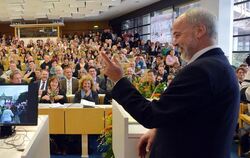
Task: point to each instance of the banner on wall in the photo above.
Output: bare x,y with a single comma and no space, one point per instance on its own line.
161,28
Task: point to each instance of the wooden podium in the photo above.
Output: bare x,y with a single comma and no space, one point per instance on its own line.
71,119
126,132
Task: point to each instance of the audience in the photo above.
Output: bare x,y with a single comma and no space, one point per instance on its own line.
74,57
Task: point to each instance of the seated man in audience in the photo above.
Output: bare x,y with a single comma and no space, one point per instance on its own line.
42,84
107,85
30,73
47,63
91,63
130,74
59,72
97,80
70,84
65,63
240,73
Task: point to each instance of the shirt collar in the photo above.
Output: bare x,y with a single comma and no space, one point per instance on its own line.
201,52
68,80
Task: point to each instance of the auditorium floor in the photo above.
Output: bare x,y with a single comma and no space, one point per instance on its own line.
98,155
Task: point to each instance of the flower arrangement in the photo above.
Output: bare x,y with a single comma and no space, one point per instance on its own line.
105,140
52,94
149,89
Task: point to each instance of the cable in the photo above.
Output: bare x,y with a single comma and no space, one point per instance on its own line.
16,141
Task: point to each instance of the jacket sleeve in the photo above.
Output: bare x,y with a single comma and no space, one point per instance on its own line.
43,100
95,97
187,93
77,97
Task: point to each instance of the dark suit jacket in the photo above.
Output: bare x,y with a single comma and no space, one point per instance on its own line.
75,85
43,65
78,97
100,81
196,115
39,82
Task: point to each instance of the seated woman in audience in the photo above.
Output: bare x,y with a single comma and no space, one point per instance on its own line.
171,59
52,71
79,68
54,94
16,77
86,90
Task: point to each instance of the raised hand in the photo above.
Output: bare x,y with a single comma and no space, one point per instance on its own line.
113,68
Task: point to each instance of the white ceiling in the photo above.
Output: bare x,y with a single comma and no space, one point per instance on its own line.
68,9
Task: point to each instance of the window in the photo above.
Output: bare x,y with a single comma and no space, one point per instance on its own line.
161,26
241,31
143,24
139,24
241,43
241,27
38,32
146,19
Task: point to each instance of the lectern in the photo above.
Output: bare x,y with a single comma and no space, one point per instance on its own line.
126,132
